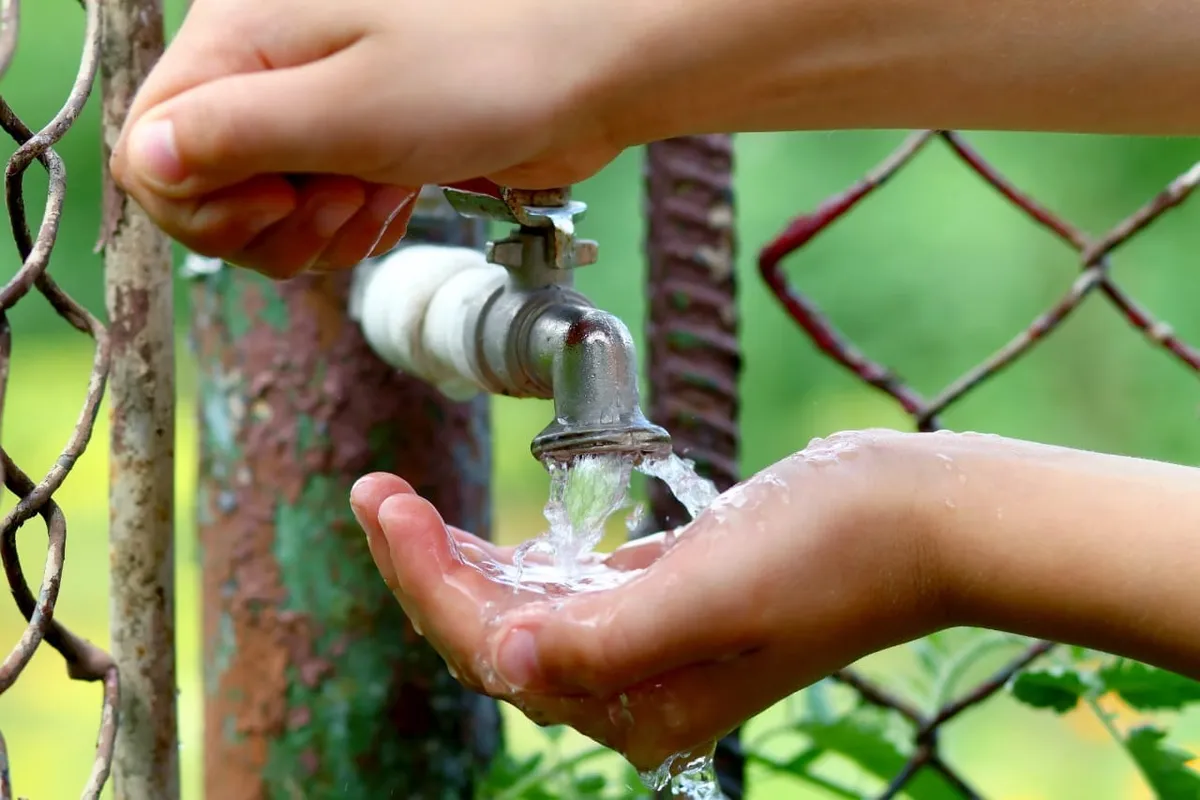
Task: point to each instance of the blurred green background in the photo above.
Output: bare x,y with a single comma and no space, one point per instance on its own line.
929,276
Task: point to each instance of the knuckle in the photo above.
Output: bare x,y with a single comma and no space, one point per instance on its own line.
599,660
209,138
579,659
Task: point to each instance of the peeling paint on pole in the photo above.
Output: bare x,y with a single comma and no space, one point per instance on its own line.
316,685
141,382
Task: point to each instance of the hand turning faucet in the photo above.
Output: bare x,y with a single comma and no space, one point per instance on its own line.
507,321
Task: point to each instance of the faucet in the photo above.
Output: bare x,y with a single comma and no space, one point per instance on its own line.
508,321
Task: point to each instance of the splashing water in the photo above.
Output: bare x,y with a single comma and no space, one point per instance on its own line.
583,496
694,778
694,492
697,777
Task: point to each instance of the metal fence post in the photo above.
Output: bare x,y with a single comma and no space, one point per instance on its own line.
316,686
137,259
694,360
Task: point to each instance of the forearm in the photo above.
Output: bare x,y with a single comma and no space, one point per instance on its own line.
1096,550
701,66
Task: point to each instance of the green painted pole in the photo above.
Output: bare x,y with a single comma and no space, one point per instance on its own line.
316,686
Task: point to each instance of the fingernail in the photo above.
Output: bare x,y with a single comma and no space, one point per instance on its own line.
153,152
330,218
258,220
389,201
360,488
517,661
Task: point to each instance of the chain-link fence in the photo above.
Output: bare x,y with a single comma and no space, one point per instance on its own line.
694,364
84,661
1094,254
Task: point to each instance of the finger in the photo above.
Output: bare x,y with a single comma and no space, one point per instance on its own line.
366,496
396,231
641,552
224,222
686,710
658,621
468,544
448,594
255,37
359,237
678,712
324,204
226,130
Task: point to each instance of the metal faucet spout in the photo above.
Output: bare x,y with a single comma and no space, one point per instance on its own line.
509,322
587,358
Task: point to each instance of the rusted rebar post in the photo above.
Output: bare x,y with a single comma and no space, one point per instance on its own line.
316,685
137,258
691,331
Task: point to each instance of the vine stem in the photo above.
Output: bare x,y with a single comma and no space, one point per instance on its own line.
1105,720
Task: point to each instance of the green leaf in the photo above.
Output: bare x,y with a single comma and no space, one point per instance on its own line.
591,784
1056,688
799,764
862,739
1078,653
506,771
553,732
1147,688
1164,766
929,655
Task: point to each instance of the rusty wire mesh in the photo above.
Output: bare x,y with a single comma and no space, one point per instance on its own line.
1094,253
84,660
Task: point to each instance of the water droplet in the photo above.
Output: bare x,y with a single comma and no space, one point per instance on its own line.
633,522
687,776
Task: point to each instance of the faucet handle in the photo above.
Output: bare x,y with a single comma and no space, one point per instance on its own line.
529,208
536,211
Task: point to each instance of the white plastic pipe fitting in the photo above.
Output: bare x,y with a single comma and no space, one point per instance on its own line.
419,308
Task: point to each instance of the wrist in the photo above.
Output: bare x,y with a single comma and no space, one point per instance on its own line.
667,66
1066,545
686,67
900,508
856,518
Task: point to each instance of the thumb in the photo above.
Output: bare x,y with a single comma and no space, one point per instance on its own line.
685,609
299,119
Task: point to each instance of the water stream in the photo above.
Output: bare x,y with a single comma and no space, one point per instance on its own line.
563,561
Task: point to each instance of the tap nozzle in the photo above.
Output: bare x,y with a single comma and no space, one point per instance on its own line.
587,358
